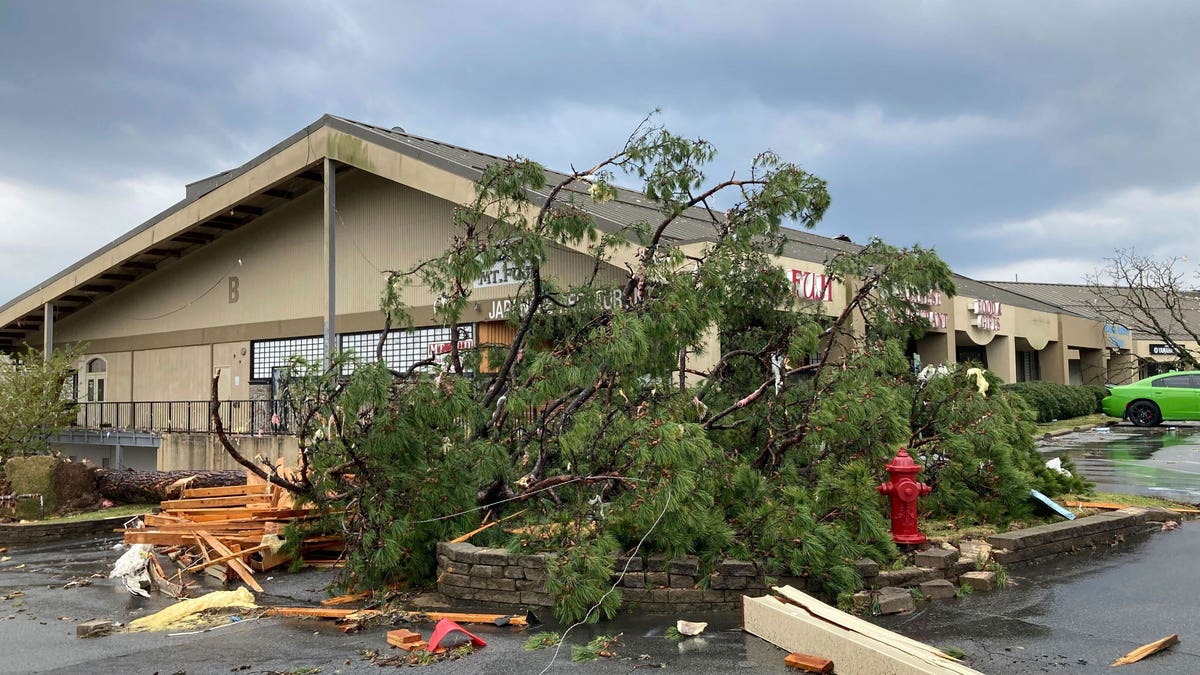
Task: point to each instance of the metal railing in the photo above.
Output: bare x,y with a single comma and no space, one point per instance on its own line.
267,418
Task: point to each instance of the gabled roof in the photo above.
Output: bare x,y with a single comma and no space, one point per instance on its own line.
219,204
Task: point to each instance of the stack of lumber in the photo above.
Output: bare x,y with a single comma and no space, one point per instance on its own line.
230,532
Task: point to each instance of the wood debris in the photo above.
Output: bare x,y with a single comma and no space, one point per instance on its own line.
406,639
798,622
808,663
228,532
1146,650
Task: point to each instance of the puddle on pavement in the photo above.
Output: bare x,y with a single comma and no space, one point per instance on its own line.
1160,461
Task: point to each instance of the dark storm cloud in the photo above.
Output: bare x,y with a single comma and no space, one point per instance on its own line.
989,130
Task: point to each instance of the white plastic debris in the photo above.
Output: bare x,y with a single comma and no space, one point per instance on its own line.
929,372
1056,465
690,628
131,569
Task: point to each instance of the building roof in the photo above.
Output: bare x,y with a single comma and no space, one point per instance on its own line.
1081,299
149,245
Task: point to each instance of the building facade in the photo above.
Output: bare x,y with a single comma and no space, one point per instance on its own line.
287,255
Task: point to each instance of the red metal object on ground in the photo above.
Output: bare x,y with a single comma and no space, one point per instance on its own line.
445,627
904,490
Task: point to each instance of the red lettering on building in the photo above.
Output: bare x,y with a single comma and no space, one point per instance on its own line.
812,286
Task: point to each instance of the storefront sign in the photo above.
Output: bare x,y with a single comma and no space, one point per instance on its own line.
1117,336
606,299
501,274
812,286
937,320
440,348
1161,350
987,315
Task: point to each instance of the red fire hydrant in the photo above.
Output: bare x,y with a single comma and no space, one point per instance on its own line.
904,490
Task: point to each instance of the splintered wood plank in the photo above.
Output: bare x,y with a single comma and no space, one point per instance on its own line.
174,505
1146,650
313,612
345,599
231,556
226,491
158,538
494,619
239,568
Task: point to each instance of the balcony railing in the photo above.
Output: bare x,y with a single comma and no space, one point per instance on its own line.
238,417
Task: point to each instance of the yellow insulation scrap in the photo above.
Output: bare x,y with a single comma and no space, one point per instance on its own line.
176,614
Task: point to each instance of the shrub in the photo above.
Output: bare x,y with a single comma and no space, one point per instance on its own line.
1058,401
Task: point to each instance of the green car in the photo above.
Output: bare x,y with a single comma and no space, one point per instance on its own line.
1170,396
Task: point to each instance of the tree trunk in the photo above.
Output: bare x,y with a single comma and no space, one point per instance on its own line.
126,486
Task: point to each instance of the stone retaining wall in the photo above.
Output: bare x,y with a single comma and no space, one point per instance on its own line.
39,533
1035,544
653,584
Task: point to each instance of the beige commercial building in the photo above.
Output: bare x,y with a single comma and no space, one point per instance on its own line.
277,256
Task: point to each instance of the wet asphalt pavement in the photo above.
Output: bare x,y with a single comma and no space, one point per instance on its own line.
1074,615
37,632
1160,461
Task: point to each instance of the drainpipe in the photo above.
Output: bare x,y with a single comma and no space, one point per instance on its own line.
330,264
48,331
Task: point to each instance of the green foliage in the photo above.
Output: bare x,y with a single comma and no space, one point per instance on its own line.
545,640
1058,401
601,645
34,401
673,634
978,451
597,420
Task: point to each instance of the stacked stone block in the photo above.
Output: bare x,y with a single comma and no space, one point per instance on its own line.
653,584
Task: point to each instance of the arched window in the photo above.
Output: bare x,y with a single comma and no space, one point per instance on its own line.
97,371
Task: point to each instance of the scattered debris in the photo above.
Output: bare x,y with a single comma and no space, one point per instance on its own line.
444,628
176,614
345,599
227,532
1056,465
808,663
1052,504
94,628
1170,525
690,628
539,641
406,639
131,569
601,646
1146,650
1114,506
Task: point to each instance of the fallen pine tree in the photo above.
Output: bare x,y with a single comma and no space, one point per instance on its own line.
127,486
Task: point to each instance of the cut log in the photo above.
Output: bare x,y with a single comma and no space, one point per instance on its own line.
1146,650
126,486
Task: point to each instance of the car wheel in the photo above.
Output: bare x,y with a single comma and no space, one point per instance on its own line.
1144,414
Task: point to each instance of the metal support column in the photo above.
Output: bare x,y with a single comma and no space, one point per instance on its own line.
330,264
117,458
48,331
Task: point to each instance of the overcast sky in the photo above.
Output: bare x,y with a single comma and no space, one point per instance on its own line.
1024,139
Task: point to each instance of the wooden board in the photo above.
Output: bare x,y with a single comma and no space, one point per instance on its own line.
877,650
837,617
1146,650
239,568
226,491
174,505
808,663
